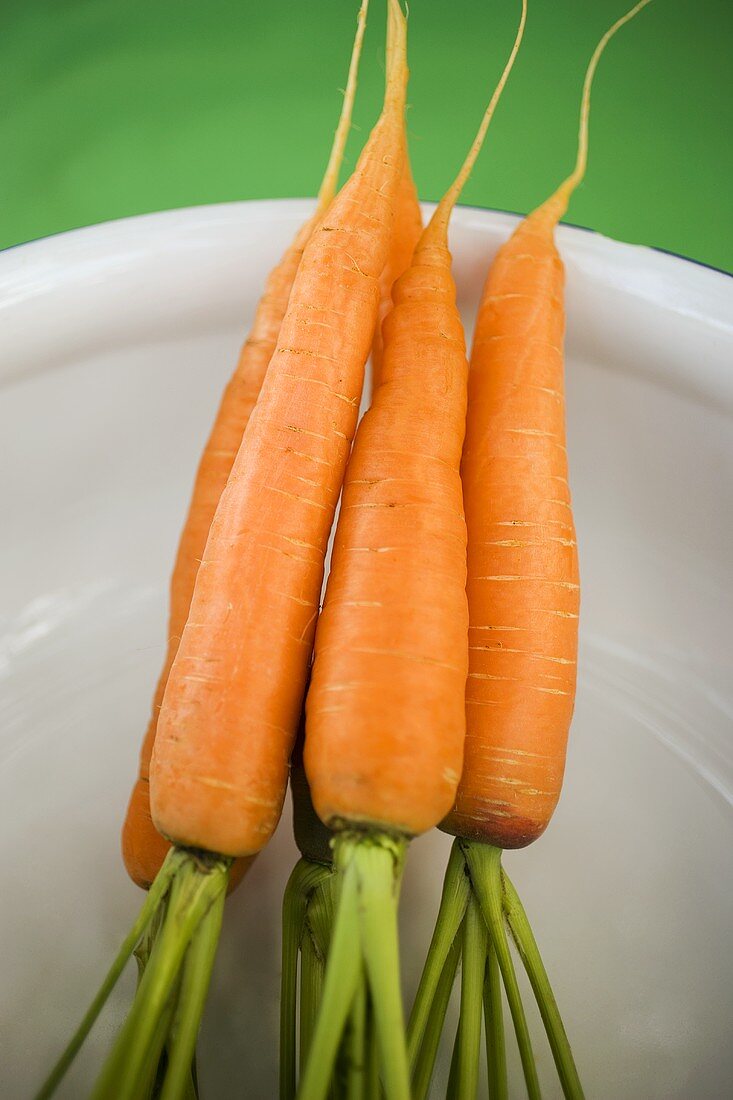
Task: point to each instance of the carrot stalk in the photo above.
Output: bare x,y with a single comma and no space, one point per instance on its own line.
475,942
147,915
523,937
356,1049
484,865
379,866
372,1083
153,1070
303,880
311,977
450,1092
190,1004
494,1019
425,1059
198,883
453,902
340,985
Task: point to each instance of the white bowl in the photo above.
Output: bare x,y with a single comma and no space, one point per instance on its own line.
117,341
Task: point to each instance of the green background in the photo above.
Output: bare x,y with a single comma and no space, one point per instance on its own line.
117,107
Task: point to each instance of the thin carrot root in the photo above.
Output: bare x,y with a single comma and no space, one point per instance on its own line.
362,974
479,903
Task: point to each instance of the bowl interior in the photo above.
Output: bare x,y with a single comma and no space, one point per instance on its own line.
120,339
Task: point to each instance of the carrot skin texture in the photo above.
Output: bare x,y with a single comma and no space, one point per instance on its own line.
390,664
523,585
233,699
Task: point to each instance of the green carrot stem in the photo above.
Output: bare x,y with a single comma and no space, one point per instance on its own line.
378,861
372,1085
147,941
523,936
196,885
484,865
153,1070
191,999
475,942
312,971
356,1046
450,1092
322,911
305,876
494,1016
154,898
341,979
453,902
425,1062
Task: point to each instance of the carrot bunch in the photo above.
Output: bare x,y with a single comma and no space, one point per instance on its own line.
440,671
523,599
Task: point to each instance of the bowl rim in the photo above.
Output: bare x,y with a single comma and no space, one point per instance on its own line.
307,198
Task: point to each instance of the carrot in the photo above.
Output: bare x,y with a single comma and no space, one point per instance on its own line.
385,716
143,848
234,693
523,598
523,585
408,227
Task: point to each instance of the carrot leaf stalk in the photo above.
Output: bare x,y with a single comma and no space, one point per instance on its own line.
304,879
494,1020
475,938
425,1061
362,952
192,996
456,891
146,918
355,1051
480,940
372,1084
198,886
526,944
484,864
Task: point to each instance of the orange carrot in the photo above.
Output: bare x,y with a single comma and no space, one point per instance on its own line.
234,693
408,227
385,710
143,848
523,586
385,713
523,617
